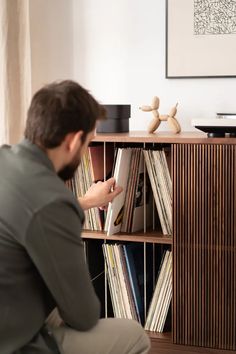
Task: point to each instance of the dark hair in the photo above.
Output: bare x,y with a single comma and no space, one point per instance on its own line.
58,109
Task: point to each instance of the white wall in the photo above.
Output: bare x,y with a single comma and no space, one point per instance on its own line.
116,49
119,54
51,31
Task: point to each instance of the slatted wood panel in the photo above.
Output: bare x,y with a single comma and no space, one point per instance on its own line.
204,245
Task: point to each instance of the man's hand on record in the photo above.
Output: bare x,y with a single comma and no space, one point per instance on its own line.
100,194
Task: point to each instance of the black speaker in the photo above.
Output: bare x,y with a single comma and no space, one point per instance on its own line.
117,119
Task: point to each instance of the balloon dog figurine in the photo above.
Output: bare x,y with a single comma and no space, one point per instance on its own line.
157,118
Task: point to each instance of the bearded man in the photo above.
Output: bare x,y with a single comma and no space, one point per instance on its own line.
41,251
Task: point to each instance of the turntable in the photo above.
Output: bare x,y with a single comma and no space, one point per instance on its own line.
216,127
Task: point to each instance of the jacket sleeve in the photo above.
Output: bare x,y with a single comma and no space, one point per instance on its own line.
53,241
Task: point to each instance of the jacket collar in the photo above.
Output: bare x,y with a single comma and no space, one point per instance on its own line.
34,152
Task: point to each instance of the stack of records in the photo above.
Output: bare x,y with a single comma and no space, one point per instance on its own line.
121,283
130,276
160,179
126,212
161,299
80,184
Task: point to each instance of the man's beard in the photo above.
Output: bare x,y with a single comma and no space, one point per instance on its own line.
68,171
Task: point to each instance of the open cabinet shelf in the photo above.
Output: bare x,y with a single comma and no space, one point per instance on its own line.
150,237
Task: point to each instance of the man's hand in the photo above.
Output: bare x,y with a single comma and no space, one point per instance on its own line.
100,194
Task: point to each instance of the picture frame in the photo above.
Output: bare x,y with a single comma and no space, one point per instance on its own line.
200,39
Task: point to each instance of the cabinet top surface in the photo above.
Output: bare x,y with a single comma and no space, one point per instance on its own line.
162,137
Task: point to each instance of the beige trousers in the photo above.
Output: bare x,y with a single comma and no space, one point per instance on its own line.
109,336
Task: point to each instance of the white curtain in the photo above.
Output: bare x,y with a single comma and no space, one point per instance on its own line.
15,68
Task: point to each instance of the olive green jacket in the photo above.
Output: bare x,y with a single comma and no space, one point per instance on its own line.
42,262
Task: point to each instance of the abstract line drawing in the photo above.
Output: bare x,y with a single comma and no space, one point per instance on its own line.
214,17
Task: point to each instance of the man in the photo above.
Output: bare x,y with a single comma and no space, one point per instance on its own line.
41,251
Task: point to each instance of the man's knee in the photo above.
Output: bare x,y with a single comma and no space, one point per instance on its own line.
134,334
110,336
142,338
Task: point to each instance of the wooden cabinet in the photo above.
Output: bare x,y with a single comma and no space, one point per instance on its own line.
204,245
203,242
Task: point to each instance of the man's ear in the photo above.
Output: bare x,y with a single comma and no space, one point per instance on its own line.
73,140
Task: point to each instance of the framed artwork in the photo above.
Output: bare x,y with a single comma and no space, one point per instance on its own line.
200,38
